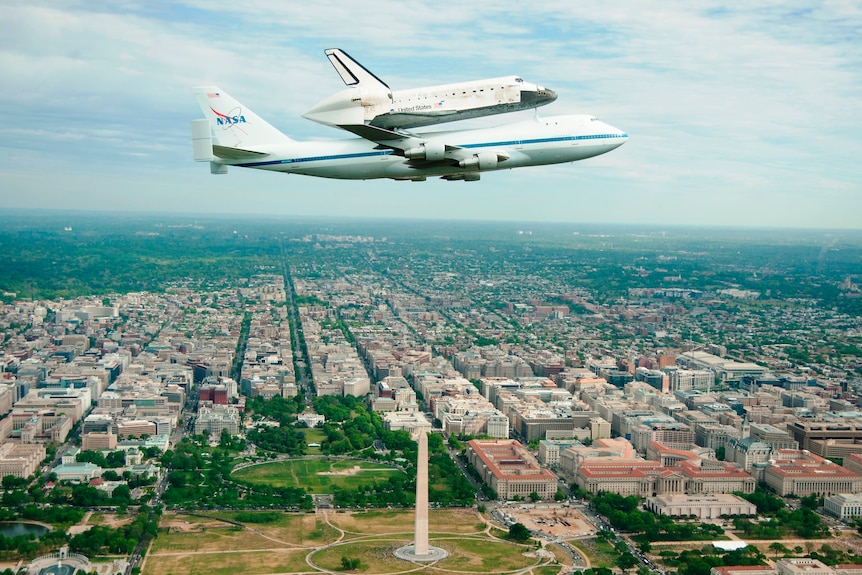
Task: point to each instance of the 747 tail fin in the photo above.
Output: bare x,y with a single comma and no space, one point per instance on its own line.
232,124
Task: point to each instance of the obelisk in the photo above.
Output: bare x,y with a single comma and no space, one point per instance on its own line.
420,550
421,542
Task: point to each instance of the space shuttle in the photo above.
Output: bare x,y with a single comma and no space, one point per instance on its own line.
369,101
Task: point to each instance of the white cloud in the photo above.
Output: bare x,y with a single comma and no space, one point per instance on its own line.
736,107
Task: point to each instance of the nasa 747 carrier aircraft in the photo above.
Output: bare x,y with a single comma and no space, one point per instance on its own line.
233,135
369,100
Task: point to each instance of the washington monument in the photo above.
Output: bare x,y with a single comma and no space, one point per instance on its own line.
420,550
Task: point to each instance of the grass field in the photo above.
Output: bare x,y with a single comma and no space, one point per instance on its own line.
185,533
314,436
191,545
317,476
250,563
466,555
380,521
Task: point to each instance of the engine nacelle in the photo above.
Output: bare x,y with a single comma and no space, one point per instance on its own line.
427,151
480,161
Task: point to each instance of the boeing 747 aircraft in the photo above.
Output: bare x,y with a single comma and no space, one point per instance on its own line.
369,100
233,135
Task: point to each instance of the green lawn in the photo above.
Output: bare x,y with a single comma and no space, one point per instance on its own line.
467,555
316,475
314,436
600,552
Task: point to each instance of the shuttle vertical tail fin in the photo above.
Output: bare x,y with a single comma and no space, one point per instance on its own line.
232,124
352,72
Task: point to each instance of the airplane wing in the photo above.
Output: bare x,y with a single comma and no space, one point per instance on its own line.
420,152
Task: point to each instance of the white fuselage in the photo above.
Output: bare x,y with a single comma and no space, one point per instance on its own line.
534,142
416,107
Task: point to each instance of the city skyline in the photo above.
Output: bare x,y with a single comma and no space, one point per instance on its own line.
737,117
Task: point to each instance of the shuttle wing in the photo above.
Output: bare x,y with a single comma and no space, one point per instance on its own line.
379,135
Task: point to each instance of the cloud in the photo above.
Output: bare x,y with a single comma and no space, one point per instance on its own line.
732,107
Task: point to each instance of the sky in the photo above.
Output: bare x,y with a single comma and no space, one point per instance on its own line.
738,114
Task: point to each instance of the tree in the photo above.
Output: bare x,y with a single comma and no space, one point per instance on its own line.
349,563
626,561
810,502
535,497
778,549
519,533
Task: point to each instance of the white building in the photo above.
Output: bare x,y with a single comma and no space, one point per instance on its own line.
844,506
311,419
217,418
711,506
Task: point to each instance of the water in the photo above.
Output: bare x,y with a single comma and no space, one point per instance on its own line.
14,529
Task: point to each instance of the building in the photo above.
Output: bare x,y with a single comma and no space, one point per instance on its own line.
712,477
411,421
216,419
802,566
77,472
710,506
215,393
94,441
508,468
723,368
311,420
773,436
844,506
682,379
549,450
672,434
135,428
599,429
635,477
816,435
854,463
801,473
644,478
747,452
743,570
20,460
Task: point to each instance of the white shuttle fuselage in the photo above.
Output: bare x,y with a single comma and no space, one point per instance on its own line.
370,101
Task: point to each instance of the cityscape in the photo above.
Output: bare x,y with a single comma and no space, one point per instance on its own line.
224,394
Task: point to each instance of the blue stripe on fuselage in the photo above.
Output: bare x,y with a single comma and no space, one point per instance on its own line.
314,159
465,146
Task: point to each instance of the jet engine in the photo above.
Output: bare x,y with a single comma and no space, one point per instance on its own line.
427,151
481,161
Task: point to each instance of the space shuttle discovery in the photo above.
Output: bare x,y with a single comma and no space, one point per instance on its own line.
370,101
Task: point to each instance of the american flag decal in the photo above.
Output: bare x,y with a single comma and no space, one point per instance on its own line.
212,95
